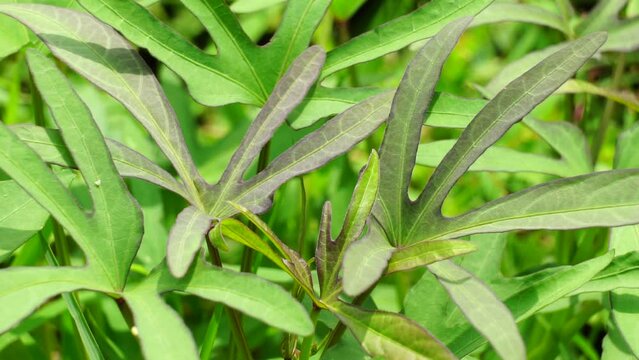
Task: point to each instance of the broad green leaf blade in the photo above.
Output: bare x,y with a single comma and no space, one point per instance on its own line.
450,111
185,239
397,153
344,9
101,55
199,70
14,37
509,106
390,335
314,150
401,32
245,292
615,347
501,12
626,157
482,308
21,217
300,20
162,332
249,6
526,295
495,158
25,167
607,199
115,226
24,289
235,230
288,93
48,144
365,261
427,252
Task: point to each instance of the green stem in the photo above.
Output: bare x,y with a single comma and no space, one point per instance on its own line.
211,333
88,340
234,316
609,110
307,344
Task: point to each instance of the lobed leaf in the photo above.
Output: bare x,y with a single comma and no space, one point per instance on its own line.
508,107
101,55
482,309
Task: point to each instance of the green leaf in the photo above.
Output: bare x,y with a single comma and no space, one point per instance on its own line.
495,158
314,150
185,239
482,308
608,199
21,217
365,261
329,253
526,295
397,153
24,289
501,12
426,252
390,335
623,37
601,17
506,108
245,292
14,37
401,32
48,144
162,333
112,233
102,56
627,99
623,270
249,6
344,9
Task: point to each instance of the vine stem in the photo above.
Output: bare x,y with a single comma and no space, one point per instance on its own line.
609,109
338,331
236,323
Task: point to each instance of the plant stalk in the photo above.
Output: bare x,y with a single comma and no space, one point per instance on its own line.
211,333
338,331
307,344
303,208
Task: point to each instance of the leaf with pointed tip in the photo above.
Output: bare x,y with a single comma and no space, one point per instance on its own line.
390,335
531,14
365,261
482,308
330,253
112,234
101,55
505,109
526,295
21,217
397,153
129,163
24,289
608,199
314,150
185,239
162,332
426,252
627,99
623,270
421,24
